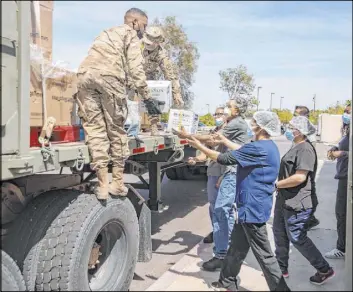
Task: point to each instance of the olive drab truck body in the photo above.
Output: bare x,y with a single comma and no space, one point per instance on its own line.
52,224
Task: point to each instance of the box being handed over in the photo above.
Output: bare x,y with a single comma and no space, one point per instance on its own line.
188,119
162,91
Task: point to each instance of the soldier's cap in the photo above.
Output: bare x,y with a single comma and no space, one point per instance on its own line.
152,35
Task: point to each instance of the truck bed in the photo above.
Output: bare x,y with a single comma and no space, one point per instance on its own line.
75,154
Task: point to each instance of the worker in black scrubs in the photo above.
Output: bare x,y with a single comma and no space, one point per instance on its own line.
258,165
296,200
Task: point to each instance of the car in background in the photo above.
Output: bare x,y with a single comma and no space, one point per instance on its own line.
203,128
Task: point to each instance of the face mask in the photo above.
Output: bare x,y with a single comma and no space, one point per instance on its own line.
253,131
346,118
139,34
226,111
289,135
139,31
219,122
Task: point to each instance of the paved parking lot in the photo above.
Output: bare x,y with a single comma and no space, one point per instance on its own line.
178,231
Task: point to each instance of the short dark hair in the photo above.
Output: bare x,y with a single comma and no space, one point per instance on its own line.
303,110
220,108
135,11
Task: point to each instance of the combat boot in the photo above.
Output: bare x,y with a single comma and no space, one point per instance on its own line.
101,191
117,187
154,127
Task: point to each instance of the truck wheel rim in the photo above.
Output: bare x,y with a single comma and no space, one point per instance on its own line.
111,244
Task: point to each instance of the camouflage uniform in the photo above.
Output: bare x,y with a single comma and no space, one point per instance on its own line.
155,58
102,100
158,58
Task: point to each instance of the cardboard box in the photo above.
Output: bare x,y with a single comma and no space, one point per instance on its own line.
59,101
160,90
188,119
41,33
36,108
47,4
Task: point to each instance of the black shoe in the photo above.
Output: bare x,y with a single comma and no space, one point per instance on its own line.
212,265
208,238
313,222
218,286
321,278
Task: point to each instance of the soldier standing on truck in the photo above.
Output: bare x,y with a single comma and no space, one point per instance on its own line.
155,56
102,79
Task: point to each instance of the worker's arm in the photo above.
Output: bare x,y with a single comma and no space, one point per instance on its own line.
294,180
205,139
219,138
339,153
199,158
208,152
134,60
169,73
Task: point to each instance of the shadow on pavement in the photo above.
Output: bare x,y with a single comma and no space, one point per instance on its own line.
181,197
183,238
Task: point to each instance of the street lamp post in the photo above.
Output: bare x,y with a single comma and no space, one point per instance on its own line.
208,107
314,100
272,93
258,93
280,104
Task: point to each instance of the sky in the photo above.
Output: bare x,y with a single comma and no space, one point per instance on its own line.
293,49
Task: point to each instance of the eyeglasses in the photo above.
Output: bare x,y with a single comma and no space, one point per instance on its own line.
218,114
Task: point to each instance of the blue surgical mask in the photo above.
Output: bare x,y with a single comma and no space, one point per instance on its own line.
289,135
219,122
346,118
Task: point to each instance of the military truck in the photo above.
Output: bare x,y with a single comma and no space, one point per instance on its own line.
55,234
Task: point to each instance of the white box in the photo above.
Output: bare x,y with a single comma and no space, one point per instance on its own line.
160,90
188,119
329,128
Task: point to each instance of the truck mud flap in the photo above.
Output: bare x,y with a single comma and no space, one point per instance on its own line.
144,220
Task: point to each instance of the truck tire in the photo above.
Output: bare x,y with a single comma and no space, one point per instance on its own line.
23,238
11,277
171,174
78,227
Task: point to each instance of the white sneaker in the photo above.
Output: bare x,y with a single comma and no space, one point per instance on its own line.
335,254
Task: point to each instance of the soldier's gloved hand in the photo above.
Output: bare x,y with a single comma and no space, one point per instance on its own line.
152,106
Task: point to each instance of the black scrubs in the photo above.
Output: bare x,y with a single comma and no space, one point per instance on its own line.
294,207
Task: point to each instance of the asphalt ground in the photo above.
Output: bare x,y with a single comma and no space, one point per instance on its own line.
176,231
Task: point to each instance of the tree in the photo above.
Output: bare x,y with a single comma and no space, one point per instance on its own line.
207,119
237,82
284,115
183,53
165,117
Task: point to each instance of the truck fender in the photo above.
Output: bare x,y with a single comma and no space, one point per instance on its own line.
144,220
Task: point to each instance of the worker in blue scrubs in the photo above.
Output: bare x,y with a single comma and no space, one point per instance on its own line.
258,166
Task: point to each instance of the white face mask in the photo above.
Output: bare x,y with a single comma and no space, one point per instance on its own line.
226,111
